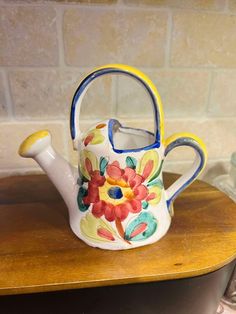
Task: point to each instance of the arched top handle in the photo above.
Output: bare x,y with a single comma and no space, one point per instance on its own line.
116,69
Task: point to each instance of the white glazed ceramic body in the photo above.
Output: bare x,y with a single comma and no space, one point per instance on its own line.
116,198
111,218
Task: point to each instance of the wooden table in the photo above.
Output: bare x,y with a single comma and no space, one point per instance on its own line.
39,252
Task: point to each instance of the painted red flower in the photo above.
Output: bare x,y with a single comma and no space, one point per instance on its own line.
120,192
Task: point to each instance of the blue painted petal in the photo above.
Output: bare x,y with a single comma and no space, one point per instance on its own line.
115,192
146,223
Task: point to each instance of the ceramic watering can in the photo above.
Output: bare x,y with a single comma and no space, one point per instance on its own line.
116,198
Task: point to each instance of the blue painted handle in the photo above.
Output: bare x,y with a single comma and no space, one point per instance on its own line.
199,163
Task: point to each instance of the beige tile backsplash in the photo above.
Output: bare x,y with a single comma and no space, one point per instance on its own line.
186,47
203,39
183,4
11,135
222,96
47,94
232,5
3,102
181,92
135,37
28,36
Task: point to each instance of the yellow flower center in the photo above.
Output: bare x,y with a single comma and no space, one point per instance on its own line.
126,191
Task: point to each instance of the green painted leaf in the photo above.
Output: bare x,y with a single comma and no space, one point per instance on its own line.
156,174
82,192
81,179
131,162
145,204
84,179
102,165
157,182
141,228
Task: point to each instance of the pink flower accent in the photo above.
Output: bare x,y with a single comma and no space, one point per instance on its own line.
106,234
148,168
94,136
88,139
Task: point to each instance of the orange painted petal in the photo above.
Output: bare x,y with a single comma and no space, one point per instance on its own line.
88,139
129,195
120,183
120,228
100,125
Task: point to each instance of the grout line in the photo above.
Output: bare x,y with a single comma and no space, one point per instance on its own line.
65,141
59,25
169,38
202,67
163,67
114,96
8,170
207,11
9,102
91,6
189,118
75,68
182,162
29,67
208,102
27,120
116,91
20,172
197,119
226,7
118,4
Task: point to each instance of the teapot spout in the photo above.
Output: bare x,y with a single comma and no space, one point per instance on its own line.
63,175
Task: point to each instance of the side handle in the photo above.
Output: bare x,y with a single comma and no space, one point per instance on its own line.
185,139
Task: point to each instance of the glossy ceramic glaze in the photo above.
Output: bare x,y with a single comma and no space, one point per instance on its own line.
116,198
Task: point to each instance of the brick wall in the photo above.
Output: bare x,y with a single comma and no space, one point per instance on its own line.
188,48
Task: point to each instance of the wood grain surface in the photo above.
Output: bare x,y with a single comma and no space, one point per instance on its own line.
39,252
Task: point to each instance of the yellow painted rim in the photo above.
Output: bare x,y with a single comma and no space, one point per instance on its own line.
30,140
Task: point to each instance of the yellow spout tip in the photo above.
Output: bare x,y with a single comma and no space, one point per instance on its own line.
30,140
